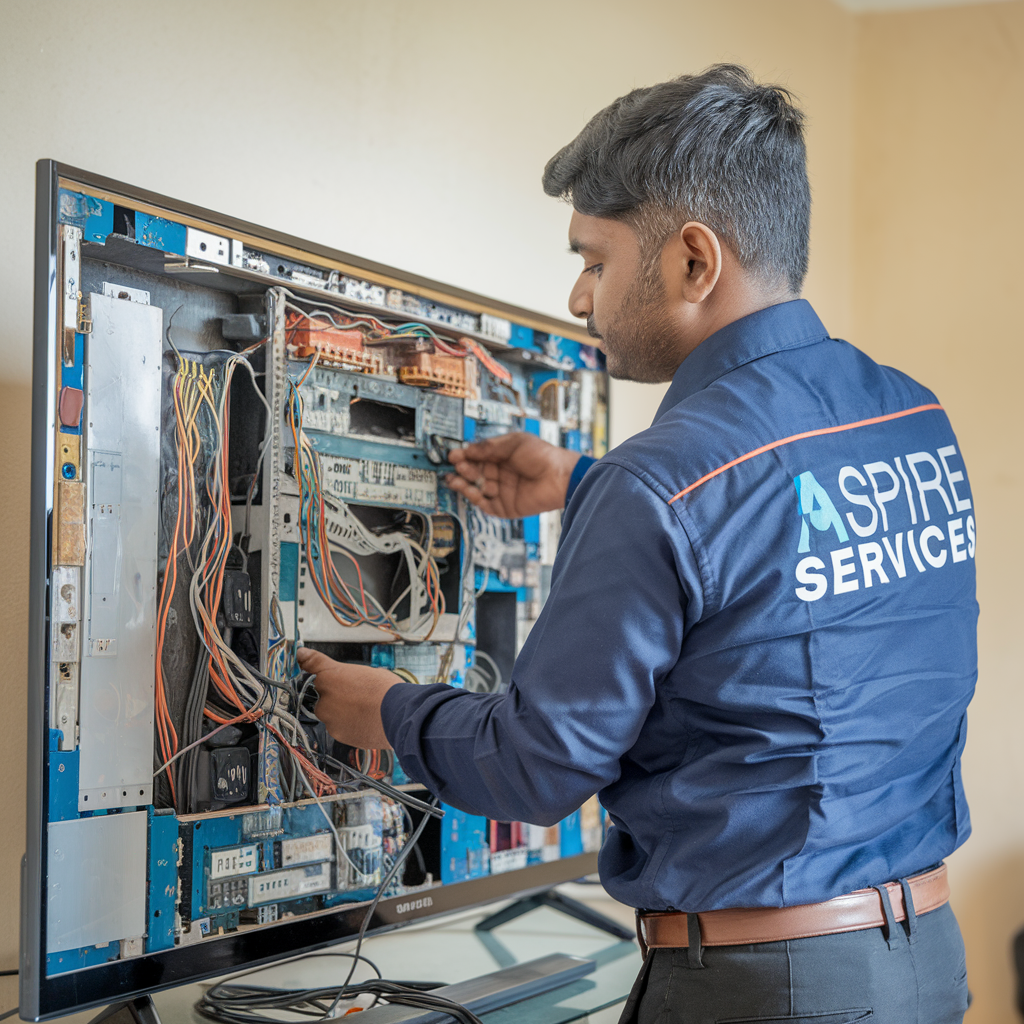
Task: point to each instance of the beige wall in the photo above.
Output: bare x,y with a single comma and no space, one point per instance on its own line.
411,134
415,134
938,282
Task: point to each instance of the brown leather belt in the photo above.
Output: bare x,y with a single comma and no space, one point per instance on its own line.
853,912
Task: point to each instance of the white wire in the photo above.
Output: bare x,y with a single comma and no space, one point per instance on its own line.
342,851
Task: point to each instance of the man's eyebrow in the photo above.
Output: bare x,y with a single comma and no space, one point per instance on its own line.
576,246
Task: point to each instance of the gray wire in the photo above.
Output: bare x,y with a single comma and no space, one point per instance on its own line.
385,882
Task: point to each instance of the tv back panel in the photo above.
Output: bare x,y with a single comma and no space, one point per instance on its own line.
239,443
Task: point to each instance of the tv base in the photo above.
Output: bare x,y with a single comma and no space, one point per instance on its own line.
555,901
141,1010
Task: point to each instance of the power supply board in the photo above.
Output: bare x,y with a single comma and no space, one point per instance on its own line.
250,447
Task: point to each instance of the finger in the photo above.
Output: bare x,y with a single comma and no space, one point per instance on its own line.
486,502
470,469
313,661
468,490
494,449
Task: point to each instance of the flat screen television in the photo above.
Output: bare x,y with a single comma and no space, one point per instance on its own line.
239,441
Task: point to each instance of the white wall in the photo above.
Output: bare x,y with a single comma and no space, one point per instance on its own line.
410,134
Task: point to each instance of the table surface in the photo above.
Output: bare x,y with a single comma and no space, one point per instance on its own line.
451,950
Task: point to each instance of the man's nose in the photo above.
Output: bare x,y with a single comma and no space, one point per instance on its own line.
581,300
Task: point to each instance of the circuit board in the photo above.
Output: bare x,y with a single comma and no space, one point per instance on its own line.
250,453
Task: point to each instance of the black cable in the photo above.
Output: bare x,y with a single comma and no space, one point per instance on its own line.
388,790
9,1013
232,1003
219,1001
399,861
192,730
7,974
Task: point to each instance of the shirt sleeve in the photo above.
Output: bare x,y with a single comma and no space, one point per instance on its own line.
585,681
583,464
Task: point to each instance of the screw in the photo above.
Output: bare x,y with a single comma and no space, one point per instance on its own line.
60,767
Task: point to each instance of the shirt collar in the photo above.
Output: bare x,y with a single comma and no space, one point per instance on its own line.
787,325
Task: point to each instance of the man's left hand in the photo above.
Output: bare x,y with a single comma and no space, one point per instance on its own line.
350,699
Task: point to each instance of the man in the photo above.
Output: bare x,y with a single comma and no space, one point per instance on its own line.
759,644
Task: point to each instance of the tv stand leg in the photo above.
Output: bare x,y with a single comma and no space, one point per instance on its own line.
141,1010
556,901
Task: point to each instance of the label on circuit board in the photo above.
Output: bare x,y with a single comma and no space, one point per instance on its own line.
382,483
306,849
239,860
275,886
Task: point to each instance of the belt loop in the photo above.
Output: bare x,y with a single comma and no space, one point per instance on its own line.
908,904
640,933
693,950
889,928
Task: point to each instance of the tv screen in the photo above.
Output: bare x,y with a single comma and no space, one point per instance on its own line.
239,445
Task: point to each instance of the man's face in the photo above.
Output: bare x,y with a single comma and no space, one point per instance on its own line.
623,301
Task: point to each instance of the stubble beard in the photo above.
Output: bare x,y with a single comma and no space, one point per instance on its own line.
638,341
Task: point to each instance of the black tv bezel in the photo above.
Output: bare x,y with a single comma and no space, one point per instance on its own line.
43,997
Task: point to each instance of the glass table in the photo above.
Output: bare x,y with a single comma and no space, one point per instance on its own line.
451,950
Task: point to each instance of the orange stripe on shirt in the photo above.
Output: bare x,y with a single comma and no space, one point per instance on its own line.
800,437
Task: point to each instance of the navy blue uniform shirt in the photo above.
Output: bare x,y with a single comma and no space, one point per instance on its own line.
759,644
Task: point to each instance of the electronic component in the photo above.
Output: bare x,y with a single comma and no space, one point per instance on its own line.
306,849
380,483
361,858
451,375
229,775
246,327
117,668
332,346
237,599
206,246
277,886
228,894
70,541
363,291
123,292
65,653
97,876
495,327
71,402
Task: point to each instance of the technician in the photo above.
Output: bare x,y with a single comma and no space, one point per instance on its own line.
760,640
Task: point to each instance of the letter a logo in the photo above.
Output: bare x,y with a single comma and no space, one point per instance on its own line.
813,503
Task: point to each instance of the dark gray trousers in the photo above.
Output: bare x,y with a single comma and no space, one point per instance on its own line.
907,973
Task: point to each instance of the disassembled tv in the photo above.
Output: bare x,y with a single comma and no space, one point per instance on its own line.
240,441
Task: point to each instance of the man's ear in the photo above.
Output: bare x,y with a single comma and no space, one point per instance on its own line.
695,260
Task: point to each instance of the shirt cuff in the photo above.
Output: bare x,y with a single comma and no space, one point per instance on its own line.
585,462
399,700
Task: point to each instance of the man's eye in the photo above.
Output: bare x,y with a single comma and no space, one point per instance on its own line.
594,268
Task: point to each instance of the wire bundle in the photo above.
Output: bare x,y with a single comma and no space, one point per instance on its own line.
490,535
327,526
225,689
250,1004
378,332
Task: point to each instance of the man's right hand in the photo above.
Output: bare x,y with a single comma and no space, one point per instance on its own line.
513,476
